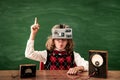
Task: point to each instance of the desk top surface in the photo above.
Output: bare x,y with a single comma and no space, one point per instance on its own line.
55,75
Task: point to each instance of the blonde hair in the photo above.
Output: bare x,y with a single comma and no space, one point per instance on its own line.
50,42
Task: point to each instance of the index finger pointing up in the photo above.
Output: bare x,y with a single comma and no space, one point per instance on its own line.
36,21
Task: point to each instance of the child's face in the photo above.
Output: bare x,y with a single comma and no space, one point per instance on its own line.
60,44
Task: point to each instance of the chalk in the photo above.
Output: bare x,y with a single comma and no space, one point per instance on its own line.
36,20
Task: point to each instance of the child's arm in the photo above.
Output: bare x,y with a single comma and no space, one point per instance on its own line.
82,65
80,61
30,52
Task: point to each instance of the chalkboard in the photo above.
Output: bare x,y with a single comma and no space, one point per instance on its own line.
95,23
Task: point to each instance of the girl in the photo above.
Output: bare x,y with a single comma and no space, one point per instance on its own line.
59,54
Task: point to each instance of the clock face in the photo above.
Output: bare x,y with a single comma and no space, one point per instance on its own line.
97,60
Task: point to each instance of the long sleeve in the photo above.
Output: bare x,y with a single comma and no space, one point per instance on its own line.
80,61
35,55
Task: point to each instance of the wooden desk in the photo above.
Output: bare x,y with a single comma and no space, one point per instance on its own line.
54,75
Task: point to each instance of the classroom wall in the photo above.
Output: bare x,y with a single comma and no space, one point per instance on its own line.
95,25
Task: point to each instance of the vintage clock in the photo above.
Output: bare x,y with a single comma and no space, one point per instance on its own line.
98,63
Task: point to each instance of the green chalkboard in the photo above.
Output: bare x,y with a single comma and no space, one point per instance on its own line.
95,23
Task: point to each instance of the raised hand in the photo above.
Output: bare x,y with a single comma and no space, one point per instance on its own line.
35,27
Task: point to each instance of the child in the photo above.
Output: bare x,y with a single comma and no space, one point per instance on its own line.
59,54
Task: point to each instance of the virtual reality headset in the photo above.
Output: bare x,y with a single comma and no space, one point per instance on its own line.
64,33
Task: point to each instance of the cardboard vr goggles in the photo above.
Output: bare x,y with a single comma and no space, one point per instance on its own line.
65,33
